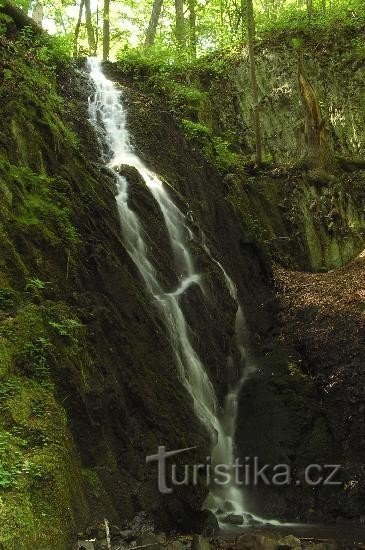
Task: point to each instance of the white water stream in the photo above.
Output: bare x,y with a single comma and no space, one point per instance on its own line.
108,114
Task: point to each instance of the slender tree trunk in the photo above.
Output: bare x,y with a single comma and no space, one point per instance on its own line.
192,27
255,94
106,30
77,28
97,29
152,25
180,23
309,7
37,13
90,29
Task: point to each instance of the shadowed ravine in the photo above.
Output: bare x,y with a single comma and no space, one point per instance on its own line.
109,117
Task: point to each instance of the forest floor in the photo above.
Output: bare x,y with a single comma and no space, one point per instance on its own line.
323,316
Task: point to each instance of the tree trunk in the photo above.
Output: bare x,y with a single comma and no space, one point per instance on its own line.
106,30
20,19
37,13
90,29
192,27
77,28
318,154
152,25
180,24
255,95
97,28
309,7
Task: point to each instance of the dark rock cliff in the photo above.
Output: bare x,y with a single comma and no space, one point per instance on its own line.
89,383
82,346
282,416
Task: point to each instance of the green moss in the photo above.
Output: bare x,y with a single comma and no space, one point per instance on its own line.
41,484
38,466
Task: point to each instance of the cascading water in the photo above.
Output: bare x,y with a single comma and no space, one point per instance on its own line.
108,116
229,498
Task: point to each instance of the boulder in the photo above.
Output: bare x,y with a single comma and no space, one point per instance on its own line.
234,519
288,542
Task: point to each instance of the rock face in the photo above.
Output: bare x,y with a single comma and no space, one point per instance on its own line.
303,224
89,384
96,356
87,372
306,218
309,221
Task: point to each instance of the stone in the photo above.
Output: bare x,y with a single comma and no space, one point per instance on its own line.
85,545
234,519
200,543
142,523
288,542
127,535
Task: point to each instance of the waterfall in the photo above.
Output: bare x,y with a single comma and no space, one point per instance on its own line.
109,118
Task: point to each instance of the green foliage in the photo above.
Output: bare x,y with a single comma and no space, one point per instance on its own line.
4,21
188,95
56,51
67,327
291,21
9,299
39,355
146,61
196,131
215,149
42,208
224,158
34,286
10,460
23,4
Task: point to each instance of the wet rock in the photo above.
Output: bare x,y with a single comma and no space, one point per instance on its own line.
200,543
142,202
127,535
234,519
288,542
85,545
142,523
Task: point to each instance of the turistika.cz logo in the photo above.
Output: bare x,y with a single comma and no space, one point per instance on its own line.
247,473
